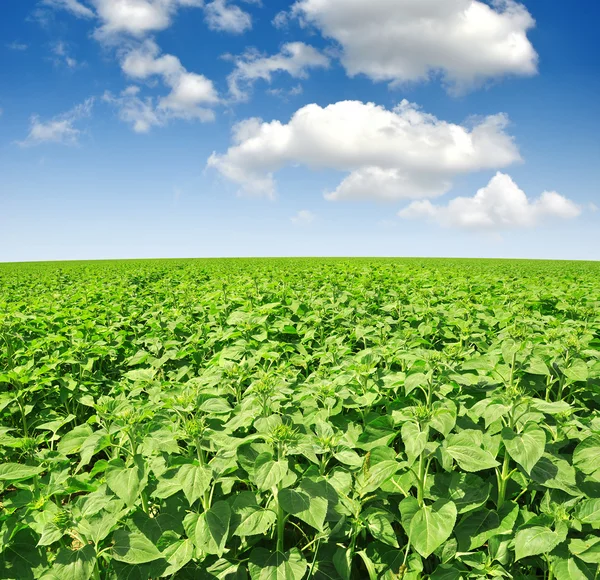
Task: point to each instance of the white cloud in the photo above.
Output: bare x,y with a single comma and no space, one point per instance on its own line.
137,17
592,207
224,17
464,41
389,154
499,205
73,6
20,46
303,218
60,129
62,56
140,113
191,93
295,58
281,20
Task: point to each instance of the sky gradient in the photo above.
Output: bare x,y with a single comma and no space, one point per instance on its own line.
182,128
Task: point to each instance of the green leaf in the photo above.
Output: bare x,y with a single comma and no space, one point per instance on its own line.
446,572
431,526
555,473
414,381
126,482
268,473
17,472
587,550
379,524
578,371
535,540
588,512
74,439
443,418
74,564
302,504
178,555
586,456
469,457
376,476
525,448
414,440
268,565
212,529
194,480
256,521
342,561
50,534
476,529
466,490
134,548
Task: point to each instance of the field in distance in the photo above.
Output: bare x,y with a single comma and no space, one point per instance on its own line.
280,419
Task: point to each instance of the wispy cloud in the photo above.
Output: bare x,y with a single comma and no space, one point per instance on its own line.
303,218
18,46
60,129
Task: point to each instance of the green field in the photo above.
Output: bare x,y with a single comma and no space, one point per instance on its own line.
306,418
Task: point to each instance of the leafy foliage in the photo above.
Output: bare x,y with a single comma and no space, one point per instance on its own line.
290,419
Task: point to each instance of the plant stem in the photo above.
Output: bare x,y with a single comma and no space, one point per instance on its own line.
503,479
280,522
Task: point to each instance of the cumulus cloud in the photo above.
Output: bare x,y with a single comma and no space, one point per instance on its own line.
499,205
224,17
464,41
303,218
190,95
295,59
389,154
75,7
137,17
60,129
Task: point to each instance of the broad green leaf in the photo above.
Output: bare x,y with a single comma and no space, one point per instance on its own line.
12,472
446,572
126,482
555,473
342,561
268,473
414,381
258,521
525,448
586,456
74,564
587,550
311,509
372,478
443,418
194,480
588,512
134,548
409,506
178,555
476,529
379,523
268,565
414,440
212,529
431,526
535,540
466,490
74,439
469,457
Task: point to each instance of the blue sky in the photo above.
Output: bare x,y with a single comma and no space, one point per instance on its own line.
182,128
